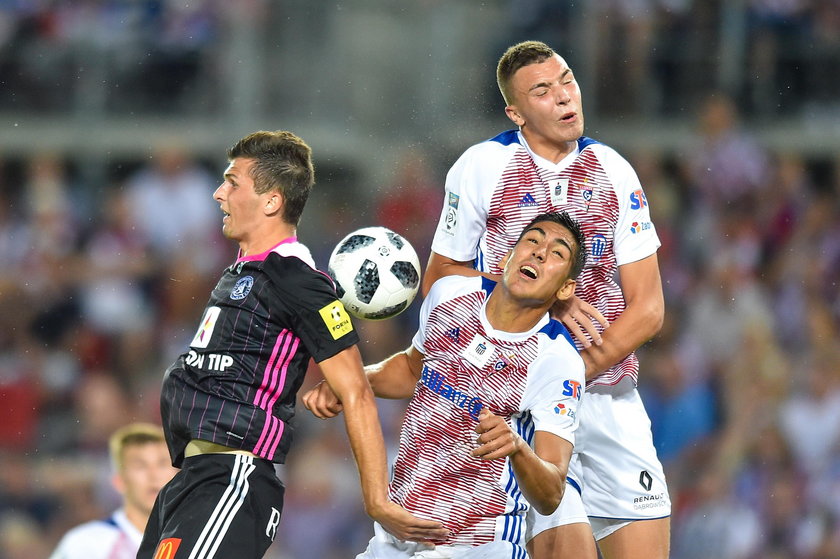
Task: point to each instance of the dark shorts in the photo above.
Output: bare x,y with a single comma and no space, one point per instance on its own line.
220,505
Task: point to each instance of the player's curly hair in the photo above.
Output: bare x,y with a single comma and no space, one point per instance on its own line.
514,58
283,162
567,221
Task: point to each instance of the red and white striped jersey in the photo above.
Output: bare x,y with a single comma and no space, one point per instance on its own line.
498,186
534,379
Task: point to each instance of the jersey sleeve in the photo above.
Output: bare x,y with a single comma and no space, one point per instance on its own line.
635,234
444,289
463,218
555,386
308,300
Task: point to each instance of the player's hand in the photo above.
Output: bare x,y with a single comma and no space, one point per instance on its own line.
579,316
322,401
495,437
405,526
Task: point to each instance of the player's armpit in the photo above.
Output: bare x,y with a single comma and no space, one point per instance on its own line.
396,376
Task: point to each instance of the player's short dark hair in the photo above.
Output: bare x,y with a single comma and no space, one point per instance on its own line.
514,58
564,219
282,162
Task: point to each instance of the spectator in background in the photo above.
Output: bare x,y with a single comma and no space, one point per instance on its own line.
141,468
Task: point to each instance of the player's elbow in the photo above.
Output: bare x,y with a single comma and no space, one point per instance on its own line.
550,500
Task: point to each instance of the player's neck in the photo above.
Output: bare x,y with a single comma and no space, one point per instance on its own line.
266,240
551,151
507,315
137,518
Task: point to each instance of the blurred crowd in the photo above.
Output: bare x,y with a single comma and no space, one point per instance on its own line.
102,285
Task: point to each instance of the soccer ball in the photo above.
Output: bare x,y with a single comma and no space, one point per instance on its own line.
376,273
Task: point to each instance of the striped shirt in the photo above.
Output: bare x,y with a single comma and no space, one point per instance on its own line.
498,186
237,384
533,379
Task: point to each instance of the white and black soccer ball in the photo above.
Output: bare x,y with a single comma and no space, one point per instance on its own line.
376,273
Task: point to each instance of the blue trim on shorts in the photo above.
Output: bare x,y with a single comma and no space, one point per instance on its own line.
574,484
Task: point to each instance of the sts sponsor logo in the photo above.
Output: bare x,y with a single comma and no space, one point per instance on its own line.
572,388
638,199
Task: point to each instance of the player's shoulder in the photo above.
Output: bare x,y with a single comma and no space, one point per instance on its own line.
608,157
557,339
451,287
494,149
78,541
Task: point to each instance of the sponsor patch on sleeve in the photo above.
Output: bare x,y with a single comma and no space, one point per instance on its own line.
167,548
336,319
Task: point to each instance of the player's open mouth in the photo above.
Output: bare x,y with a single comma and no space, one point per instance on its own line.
568,117
528,271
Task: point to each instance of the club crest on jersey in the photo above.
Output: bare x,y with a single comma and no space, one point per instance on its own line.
504,361
205,329
528,201
479,351
242,288
598,245
559,190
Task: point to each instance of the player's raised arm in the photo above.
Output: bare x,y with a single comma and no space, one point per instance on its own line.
346,377
639,322
440,266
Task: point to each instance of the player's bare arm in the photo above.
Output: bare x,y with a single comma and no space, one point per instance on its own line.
394,378
641,320
540,472
346,378
440,266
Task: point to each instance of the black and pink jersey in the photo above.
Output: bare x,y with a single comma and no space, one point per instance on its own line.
237,384
498,186
533,379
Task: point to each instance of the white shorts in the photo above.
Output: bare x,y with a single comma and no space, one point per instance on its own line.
570,511
385,546
614,463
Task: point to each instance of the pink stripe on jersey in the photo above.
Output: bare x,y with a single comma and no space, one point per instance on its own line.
273,383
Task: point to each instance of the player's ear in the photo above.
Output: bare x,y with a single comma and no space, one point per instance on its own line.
505,259
274,203
118,483
566,290
513,114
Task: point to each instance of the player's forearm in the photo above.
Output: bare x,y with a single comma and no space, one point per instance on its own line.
440,266
392,378
542,483
636,325
365,434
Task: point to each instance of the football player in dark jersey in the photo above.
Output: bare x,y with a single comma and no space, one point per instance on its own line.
227,402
